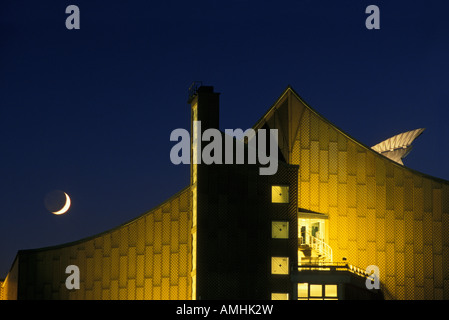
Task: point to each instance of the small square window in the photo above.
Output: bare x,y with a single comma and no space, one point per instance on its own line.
279,265
279,229
316,290
279,194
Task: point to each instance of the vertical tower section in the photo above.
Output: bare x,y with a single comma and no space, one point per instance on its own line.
204,104
234,255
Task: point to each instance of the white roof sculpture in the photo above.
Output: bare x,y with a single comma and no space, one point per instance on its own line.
398,147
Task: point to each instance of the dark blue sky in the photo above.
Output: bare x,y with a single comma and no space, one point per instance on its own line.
90,111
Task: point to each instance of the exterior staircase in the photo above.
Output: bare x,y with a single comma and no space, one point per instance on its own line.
315,250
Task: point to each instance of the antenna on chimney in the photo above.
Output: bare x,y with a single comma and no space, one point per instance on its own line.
193,89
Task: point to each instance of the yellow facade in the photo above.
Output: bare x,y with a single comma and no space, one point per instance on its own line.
374,212
379,212
147,258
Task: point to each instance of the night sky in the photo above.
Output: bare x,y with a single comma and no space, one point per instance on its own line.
90,111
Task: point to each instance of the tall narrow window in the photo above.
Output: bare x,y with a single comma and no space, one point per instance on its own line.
303,291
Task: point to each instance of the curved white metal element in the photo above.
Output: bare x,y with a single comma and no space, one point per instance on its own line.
399,146
321,247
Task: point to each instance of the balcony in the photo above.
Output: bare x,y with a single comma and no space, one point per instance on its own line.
351,280
314,250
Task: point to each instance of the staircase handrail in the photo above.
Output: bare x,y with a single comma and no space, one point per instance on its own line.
319,245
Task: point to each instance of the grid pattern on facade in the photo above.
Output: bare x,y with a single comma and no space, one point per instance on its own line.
147,258
380,213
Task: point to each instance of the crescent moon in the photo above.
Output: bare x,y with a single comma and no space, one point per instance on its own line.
66,206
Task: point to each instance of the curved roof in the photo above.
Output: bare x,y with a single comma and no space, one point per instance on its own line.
79,241
405,137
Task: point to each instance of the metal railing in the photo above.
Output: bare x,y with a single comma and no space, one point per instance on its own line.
318,245
331,266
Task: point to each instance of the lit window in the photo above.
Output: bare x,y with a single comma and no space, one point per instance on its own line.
308,291
279,296
316,291
279,194
279,265
279,229
303,291
330,290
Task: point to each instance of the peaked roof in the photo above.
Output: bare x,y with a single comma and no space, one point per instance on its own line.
285,115
293,109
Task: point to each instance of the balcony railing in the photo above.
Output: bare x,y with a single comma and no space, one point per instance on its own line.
331,266
321,247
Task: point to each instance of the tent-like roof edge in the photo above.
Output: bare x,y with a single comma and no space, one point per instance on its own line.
88,238
257,125
289,88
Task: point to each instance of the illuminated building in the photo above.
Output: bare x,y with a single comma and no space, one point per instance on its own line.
334,207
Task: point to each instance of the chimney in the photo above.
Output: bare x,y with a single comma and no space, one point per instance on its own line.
204,104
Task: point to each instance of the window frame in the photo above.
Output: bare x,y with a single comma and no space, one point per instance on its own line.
273,236
274,269
281,195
